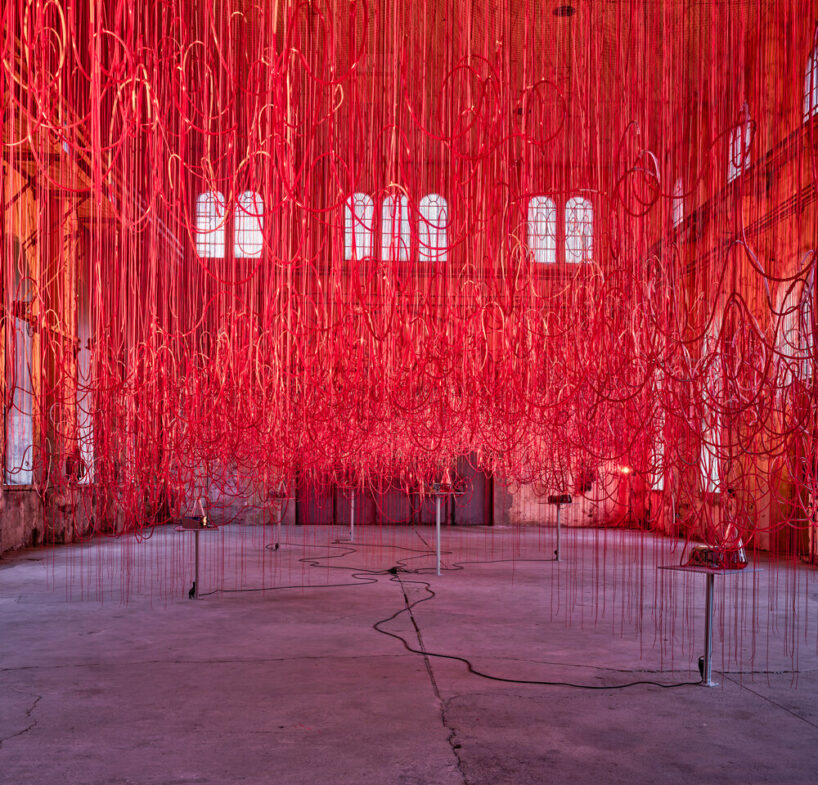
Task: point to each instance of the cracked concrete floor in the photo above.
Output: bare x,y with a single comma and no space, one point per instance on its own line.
109,674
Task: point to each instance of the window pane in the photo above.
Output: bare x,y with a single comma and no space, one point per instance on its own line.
85,422
709,464
740,139
579,230
710,452
395,232
811,86
657,477
249,226
542,229
677,204
806,335
210,225
434,217
19,417
359,226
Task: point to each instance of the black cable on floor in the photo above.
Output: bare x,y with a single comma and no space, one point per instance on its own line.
363,577
470,667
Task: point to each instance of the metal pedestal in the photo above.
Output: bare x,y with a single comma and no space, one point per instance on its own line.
558,499
707,673
196,571
195,525
709,602
437,530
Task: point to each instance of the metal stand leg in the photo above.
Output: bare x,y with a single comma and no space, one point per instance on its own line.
196,575
707,681
557,552
352,518
437,525
279,516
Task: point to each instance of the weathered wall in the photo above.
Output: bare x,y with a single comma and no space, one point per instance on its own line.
21,519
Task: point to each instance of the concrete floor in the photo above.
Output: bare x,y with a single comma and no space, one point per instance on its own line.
110,674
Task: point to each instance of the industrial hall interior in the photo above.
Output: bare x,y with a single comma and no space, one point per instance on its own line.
408,392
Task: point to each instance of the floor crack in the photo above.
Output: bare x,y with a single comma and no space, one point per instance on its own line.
770,700
451,738
28,713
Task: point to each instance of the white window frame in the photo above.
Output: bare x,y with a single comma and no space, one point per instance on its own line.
794,338
711,435
677,204
787,340
19,420
542,229
657,478
806,336
248,226
359,226
210,225
579,230
85,391
811,86
741,138
433,220
396,232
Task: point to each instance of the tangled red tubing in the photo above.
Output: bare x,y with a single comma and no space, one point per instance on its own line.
249,244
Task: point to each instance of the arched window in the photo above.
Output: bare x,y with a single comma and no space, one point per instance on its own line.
248,229
210,208
19,417
710,452
19,351
795,341
395,232
359,226
579,230
657,475
85,382
811,86
433,219
787,318
740,139
542,229
677,204
806,333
